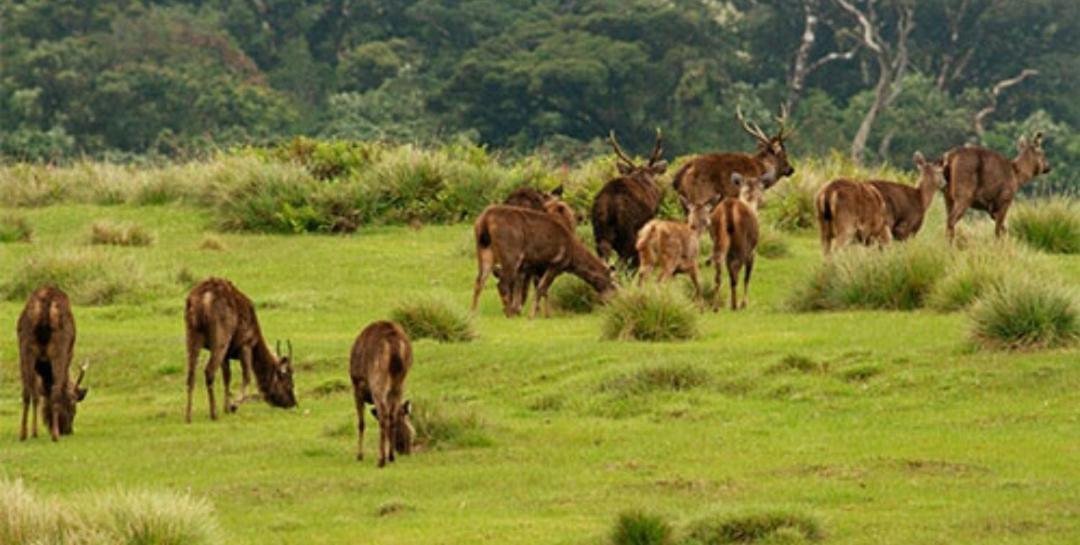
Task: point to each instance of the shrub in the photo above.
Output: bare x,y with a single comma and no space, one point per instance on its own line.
439,427
898,277
120,234
89,277
1026,314
753,527
650,313
572,294
267,197
434,319
637,528
15,229
1051,225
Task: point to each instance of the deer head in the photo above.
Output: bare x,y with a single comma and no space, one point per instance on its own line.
771,149
699,215
929,173
69,402
404,433
1033,154
656,165
752,190
281,393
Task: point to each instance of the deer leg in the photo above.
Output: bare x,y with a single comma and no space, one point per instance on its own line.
826,239
217,356
193,362
956,211
384,439
359,398
999,219
25,412
245,368
35,400
55,394
733,267
485,261
718,280
693,272
746,281
542,287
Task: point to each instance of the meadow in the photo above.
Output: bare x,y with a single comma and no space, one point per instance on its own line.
875,426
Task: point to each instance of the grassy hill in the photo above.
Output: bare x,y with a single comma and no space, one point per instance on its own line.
880,427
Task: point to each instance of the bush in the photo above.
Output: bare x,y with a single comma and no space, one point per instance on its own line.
105,518
15,229
650,313
1051,225
636,528
753,527
573,295
438,427
1026,314
898,277
268,197
88,277
120,234
434,319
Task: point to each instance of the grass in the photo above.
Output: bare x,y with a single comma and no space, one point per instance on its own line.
650,313
636,528
1051,225
14,228
944,444
88,276
428,318
756,527
1026,314
120,234
573,295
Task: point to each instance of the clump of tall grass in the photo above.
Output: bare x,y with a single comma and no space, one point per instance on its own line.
120,234
1051,225
267,197
638,528
88,276
897,277
650,313
777,526
434,319
975,270
105,518
670,378
15,228
573,295
1026,314
438,426
771,243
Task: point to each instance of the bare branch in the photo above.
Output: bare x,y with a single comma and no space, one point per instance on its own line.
995,93
869,29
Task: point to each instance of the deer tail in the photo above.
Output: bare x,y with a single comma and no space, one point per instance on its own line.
644,235
483,233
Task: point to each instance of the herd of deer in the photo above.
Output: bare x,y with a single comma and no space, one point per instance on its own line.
530,239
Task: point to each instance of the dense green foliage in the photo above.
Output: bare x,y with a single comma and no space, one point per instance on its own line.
149,78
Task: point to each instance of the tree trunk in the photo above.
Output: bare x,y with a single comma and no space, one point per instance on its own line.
881,95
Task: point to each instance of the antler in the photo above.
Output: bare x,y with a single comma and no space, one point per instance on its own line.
782,120
752,128
82,373
277,347
658,149
288,343
618,150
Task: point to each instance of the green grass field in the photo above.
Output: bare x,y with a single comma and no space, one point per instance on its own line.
884,427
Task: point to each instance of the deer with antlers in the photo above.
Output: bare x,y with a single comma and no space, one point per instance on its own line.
625,204
705,176
46,331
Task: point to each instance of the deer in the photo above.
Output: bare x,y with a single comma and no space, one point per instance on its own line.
674,246
983,179
734,232
848,210
378,365
626,203
550,202
46,332
517,240
907,205
221,319
708,175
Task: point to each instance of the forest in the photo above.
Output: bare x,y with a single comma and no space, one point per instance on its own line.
135,80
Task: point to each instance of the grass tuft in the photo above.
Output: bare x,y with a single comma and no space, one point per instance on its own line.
120,234
977,269
573,295
637,528
212,243
650,313
772,526
434,319
1026,314
89,277
772,244
799,363
670,378
15,228
1051,225
331,387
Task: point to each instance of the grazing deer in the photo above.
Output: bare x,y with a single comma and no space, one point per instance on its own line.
625,204
46,331
552,203
378,365
221,319
848,210
674,246
705,176
986,180
907,205
517,240
734,230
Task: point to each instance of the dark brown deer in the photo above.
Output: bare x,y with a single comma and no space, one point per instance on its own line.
378,365
852,211
708,175
625,204
517,240
907,205
552,203
221,319
734,230
46,332
673,246
986,180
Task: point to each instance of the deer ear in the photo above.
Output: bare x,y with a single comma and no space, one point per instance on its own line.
624,169
80,393
683,201
736,179
558,191
406,408
1022,143
1038,139
919,159
374,412
715,200
659,167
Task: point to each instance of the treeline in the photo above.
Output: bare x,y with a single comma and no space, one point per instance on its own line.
125,79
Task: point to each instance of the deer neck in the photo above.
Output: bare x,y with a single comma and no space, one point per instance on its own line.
1025,167
589,268
926,192
263,363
